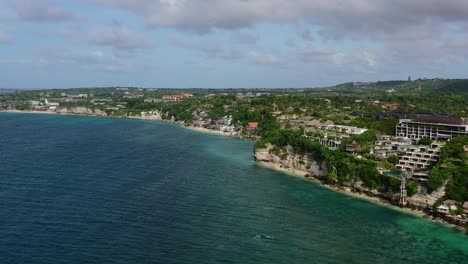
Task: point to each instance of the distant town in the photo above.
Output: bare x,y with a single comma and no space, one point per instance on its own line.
405,142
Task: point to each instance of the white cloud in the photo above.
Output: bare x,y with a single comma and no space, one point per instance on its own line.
371,18
311,52
386,27
42,11
264,58
118,37
97,60
338,58
211,50
368,58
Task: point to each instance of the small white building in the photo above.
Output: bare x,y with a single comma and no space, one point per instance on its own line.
446,206
34,103
350,130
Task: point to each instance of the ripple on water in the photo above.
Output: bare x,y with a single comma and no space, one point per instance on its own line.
96,190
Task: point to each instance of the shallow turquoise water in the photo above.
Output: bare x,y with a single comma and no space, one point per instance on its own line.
97,190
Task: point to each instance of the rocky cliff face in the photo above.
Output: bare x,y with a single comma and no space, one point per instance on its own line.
80,111
424,200
289,161
152,115
292,161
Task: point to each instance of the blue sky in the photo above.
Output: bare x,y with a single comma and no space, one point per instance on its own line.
228,43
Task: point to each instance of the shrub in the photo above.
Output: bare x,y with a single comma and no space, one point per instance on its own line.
425,141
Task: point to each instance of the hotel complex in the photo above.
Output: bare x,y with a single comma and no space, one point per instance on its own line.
432,127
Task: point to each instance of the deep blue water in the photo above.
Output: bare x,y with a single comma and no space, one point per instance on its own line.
98,190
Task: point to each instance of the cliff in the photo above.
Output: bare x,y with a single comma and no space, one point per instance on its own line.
80,111
423,200
292,162
303,165
151,115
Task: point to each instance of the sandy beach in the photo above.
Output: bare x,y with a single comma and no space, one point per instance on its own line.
216,132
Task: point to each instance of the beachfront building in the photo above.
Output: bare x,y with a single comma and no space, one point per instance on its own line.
433,127
252,126
383,147
419,158
420,177
447,206
330,135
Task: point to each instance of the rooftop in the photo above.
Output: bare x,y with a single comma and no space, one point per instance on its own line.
439,120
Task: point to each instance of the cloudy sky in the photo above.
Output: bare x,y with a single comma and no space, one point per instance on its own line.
229,43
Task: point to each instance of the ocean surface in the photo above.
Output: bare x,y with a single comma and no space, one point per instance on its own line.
101,190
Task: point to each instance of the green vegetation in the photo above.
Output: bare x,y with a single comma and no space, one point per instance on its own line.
393,159
284,114
342,167
453,168
425,141
422,86
301,145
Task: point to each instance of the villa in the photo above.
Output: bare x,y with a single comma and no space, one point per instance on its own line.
252,126
446,206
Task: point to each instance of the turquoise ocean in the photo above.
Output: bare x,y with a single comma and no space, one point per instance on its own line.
101,190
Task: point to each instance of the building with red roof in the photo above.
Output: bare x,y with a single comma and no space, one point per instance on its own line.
251,126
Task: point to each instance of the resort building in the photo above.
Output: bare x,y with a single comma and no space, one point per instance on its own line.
252,126
176,97
446,206
387,146
419,158
345,131
329,135
420,177
433,127
384,147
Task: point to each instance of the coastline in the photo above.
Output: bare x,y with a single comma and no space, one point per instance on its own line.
28,112
346,191
211,131
363,196
289,171
150,118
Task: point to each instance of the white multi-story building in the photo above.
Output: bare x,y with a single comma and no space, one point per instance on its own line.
432,127
419,157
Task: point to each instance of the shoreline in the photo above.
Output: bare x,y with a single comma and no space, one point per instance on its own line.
375,200
28,112
363,196
289,171
148,118
214,132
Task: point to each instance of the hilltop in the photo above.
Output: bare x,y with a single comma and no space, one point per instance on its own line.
436,85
